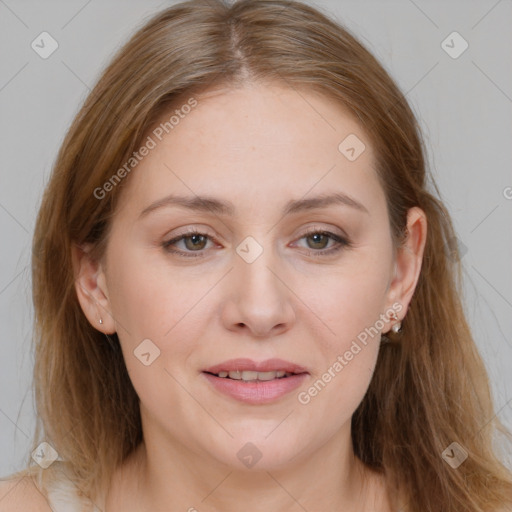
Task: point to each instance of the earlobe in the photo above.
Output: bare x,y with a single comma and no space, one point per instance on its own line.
91,289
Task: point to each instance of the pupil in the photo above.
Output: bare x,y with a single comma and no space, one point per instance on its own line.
194,239
318,239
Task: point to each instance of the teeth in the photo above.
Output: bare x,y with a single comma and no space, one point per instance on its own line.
250,375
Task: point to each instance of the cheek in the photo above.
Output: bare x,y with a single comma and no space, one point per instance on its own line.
152,301
347,301
137,304
349,355
155,314
349,304
149,298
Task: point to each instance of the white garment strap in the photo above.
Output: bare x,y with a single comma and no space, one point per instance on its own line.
63,497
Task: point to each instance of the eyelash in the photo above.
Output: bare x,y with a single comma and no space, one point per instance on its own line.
341,241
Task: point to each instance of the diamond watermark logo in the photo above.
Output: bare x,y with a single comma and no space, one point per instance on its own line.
454,45
454,455
249,455
44,45
249,249
146,352
45,455
351,147
455,249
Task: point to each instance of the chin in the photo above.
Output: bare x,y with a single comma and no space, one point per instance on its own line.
255,453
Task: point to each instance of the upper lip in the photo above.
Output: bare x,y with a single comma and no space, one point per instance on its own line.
244,364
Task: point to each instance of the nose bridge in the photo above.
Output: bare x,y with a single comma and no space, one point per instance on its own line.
260,298
253,267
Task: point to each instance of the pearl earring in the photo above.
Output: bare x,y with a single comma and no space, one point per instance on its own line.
101,320
396,327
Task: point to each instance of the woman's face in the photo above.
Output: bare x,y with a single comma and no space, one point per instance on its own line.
258,282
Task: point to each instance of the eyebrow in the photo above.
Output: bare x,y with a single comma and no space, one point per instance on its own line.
214,205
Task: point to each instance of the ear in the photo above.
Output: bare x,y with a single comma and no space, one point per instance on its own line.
91,289
408,261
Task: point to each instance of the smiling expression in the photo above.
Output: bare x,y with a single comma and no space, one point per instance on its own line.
247,233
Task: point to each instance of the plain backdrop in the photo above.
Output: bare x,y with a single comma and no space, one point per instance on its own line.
464,105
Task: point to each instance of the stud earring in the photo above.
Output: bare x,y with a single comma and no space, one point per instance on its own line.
101,320
396,327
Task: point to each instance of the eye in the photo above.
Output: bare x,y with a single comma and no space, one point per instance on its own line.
195,241
320,239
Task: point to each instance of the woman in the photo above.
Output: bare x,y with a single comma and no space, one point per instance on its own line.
243,290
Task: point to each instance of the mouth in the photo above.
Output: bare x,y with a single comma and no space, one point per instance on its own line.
248,370
255,382
251,376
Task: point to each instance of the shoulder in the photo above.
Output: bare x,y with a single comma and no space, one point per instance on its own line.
21,494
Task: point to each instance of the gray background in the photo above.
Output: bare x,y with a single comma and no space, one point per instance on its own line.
464,106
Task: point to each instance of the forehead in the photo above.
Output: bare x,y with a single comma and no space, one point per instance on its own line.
255,145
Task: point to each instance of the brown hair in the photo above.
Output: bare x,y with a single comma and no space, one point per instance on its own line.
430,387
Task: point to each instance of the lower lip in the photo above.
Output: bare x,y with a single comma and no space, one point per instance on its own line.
256,392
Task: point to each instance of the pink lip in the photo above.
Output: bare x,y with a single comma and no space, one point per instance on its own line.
270,365
256,392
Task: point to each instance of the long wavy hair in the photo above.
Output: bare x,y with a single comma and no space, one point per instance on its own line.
430,387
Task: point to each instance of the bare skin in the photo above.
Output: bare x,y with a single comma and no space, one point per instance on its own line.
258,147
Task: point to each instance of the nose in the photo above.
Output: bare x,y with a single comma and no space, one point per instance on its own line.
258,300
